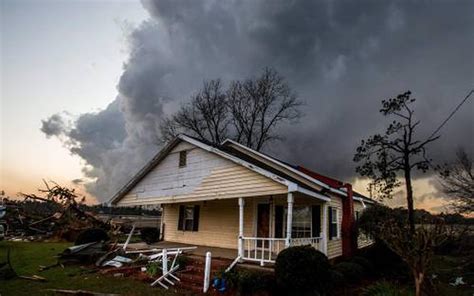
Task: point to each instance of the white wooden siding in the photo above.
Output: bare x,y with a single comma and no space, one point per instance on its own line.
205,176
335,244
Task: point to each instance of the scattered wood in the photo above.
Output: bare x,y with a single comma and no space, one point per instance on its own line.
33,278
80,292
43,267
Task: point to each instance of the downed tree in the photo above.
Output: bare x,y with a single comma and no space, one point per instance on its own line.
68,219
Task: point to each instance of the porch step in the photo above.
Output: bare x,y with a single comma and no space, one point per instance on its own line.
195,289
192,277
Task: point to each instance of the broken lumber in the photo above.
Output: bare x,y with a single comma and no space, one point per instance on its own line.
33,278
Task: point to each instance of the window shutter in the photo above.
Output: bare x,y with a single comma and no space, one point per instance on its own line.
181,218
278,221
316,221
196,218
331,234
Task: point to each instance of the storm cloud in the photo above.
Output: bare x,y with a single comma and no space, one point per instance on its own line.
342,58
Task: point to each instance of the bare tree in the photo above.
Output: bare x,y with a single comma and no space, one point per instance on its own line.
206,116
416,249
248,111
457,180
396,153
258,106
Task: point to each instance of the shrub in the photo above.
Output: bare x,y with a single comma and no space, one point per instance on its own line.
352,272
365,263
153,268
372,219
150,235
385,261
337,278
91,235
382,288
302,271
249,282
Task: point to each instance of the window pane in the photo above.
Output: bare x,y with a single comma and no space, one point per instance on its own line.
189,213
334,229
188,224
301,226
182,158
334,216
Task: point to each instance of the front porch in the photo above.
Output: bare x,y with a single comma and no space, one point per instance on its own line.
253,228
280,223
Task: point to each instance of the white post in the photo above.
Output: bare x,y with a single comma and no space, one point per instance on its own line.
324,228
125,245
289,219
165,261
241,227
161,223
207,273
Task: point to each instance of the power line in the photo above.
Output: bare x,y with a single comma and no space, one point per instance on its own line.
452,113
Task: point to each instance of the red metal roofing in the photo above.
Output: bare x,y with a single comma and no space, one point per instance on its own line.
325,179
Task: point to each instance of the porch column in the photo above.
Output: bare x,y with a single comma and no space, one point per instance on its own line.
241,227
289,219
324,229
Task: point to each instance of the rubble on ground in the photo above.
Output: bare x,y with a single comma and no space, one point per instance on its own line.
54,215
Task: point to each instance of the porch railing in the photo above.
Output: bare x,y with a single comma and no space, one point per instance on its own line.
315,242
262,249
265,250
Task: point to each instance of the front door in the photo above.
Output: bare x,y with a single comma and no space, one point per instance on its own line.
263,220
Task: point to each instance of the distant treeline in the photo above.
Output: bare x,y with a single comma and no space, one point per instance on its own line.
423,216
35,208
137,210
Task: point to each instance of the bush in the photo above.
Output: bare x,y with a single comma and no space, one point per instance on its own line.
365,263
373,217
153,268
302,271
352,272
337,278
91,235
150,235
385,261
249,282
382,288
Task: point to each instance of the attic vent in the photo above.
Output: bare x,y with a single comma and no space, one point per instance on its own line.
182,158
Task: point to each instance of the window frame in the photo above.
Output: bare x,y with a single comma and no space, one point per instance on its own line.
186,210
285,222
185,218
182,158
335,222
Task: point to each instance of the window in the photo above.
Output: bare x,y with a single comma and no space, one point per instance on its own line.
357,215
182,158
188,218
334,231
301,226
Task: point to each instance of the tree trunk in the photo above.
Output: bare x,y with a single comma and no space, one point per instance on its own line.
410,206
419,277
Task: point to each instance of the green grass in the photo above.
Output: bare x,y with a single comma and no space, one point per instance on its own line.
26,257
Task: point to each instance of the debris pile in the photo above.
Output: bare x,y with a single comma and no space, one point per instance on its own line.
57,214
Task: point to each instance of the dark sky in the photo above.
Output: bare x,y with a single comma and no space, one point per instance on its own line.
341,57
